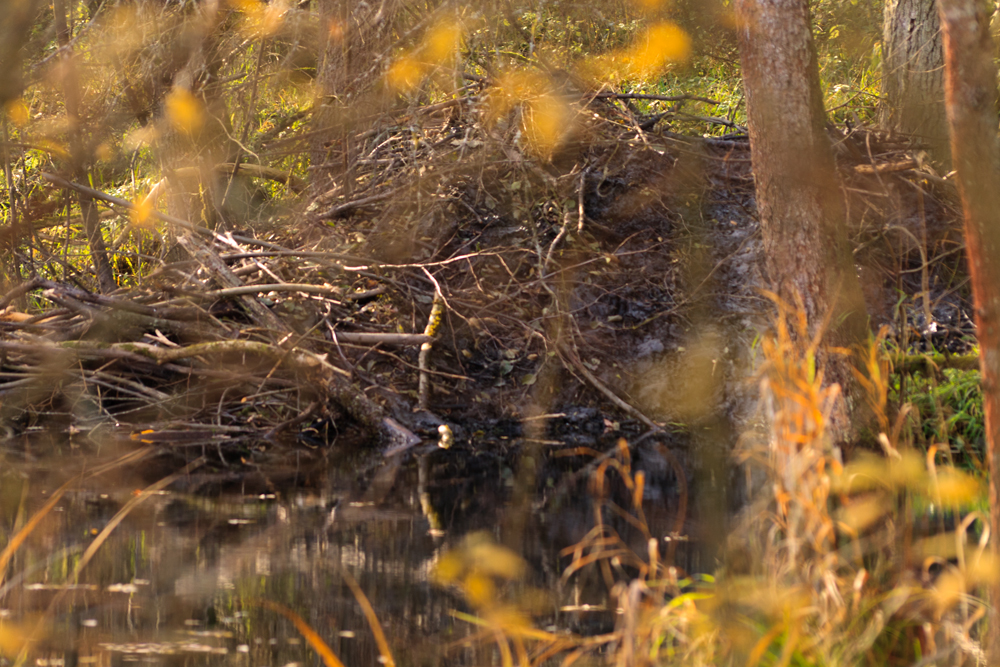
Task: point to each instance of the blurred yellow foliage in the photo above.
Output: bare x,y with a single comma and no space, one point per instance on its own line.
261,19
14,636
438,48
104,151
868,472
955,487
478,555
405,74
17,112
479,589
861,514
546,117
12,640
141,136
185,112
123,32
476,565
335,30
941,546
141,213
662,45
545,123
948,590
441,44
983,569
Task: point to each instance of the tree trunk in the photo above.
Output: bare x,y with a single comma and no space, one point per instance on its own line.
971,93
798,194
913,74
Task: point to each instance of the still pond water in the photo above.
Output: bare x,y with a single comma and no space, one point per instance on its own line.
122,571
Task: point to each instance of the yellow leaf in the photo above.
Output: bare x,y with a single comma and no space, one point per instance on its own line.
185,112
13,636
948,589
496,560
663,44
141,212
908,471
479,589
262,19
405,74
546,121
449,568
984,569
861,514
940,546
17,112
870,472
442,41
955,487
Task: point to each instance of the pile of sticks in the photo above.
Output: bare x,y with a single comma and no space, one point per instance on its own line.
197,354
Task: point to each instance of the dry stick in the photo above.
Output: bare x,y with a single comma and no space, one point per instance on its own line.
210,260
568,354
386,338
124,319
346,207
299,359
119,303
886,167
274,287
359,406
658,98
433,322
19,291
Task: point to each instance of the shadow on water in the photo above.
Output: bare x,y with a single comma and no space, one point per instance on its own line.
182,578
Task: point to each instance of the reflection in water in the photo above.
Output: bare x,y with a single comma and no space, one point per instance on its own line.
185,575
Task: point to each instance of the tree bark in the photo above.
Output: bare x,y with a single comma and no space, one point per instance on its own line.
798,193
913,74
971,93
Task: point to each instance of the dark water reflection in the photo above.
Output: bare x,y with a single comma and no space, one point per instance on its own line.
181,579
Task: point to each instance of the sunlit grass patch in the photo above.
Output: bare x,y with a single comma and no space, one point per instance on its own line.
948,412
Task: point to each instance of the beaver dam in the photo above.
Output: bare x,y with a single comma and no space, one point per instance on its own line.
448,409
